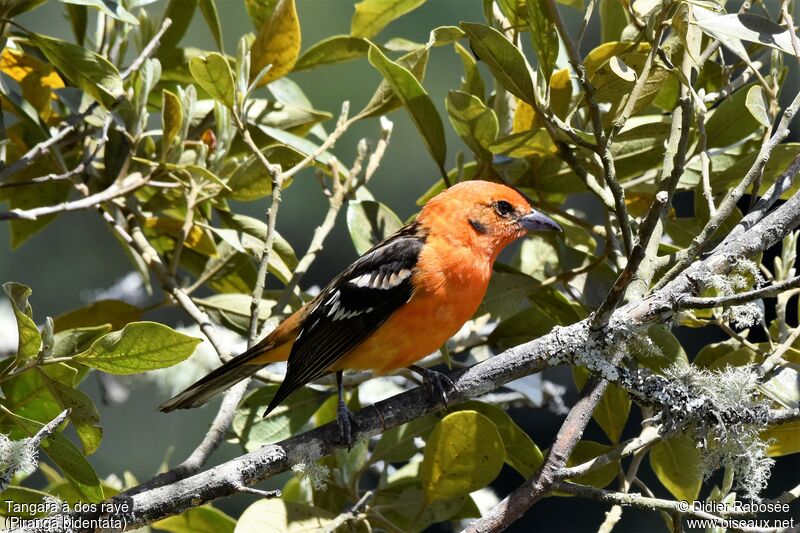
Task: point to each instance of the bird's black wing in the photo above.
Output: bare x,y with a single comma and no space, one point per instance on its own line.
352,307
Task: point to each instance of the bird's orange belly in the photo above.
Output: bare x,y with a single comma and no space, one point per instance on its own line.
427,321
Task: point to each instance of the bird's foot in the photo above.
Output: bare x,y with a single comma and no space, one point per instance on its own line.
438,384
345,420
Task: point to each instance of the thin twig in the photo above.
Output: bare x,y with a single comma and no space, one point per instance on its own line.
130,184
693,302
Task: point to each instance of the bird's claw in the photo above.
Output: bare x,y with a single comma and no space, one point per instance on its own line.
345,420
437,383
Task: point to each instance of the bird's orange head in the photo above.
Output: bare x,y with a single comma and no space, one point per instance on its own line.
482,215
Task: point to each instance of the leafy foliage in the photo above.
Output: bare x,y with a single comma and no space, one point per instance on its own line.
165,149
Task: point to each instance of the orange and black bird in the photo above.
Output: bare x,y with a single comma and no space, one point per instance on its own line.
395,304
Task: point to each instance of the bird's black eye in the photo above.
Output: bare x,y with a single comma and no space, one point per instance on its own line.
503,208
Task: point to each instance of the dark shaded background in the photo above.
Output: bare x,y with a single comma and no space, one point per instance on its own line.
78,253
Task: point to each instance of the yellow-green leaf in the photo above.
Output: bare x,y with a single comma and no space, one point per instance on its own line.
278,516
782,438
474,122
503,58
138,347
29,340
371,16
586,450
205,519
277,43
332,50
89,71
419,105
757,105
214,75
369,223
171,118
522,454
464,453
114,312
676,462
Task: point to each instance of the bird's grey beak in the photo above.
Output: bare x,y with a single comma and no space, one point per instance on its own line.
536,221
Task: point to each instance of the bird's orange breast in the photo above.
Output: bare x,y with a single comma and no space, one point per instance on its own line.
449,286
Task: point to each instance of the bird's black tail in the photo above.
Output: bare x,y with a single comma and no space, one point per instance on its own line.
217,381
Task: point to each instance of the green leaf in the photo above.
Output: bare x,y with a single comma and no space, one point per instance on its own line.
522,454
278,516
533,142
214,75
25,198
371,16
181,13
138,347
544,37
475,123
233,310
209,10
397,444
332,50
669,350
78,19
504,59
613,20
17,495
253,430
612,410
745,27
384,99
29,339
731,121
408,508
472,82
419,105
66,456
259,11
205,519
676,463
282,261
369,223
782,439
72,341
757,105
586,450
10,8
114,312
109,7
83,414
277,43
91,72
464,453
171,118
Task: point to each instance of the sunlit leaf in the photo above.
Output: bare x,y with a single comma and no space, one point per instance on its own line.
676,462
503,58
331,50
369,223
138,347
214,75
464,453
29,340
205,519
419,105
89,71
277,43
371,16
